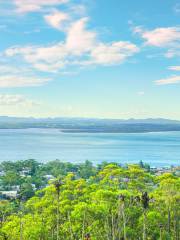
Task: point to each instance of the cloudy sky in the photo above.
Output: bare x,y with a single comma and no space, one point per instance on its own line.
90,58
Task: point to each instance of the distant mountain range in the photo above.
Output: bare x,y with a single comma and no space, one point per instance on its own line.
92,125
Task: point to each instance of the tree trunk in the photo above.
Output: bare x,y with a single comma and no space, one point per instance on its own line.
83,227
71,232
124,221
169,222
21,223
144,224
161,234
57,223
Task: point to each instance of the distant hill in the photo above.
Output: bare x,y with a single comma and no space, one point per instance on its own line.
92,125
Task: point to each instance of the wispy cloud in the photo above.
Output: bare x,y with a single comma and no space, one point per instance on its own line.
113,53
173,52
174,68
23,6
177,8
12,76
170,80
141,93
160,37
168,38
16,100
8,81
56,19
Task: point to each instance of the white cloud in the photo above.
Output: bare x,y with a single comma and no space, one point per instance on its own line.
114,53
16,99
48,58
53,67
80,40
160,37
168,38
14,70
174,68
56,19
25,6
170,80
8,81
80,47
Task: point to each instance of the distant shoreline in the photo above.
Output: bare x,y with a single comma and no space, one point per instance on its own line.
95,131
83,125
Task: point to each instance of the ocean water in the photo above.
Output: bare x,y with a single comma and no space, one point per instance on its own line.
157,149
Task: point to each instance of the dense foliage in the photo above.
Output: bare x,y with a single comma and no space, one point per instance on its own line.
108,202
30,175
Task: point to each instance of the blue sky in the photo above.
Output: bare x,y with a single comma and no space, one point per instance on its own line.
105,59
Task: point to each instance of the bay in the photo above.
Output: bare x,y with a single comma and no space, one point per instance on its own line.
157,149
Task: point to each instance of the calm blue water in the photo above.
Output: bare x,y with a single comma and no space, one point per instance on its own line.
158,149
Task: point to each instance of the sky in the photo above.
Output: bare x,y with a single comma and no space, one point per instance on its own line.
90,58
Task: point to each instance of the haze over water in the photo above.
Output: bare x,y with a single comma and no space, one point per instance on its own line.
157,149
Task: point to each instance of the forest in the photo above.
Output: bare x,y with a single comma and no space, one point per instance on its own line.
86,202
